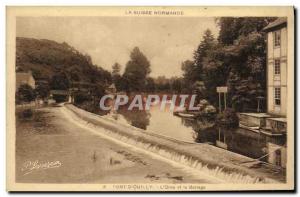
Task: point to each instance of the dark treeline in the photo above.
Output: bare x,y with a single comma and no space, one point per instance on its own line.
57,66
236,59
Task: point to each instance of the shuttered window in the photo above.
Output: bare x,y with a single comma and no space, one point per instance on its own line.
277,96
277,67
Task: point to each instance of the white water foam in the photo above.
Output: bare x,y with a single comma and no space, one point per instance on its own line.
189,164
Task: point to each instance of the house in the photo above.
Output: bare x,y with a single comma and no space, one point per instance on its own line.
277,75
24,78
277,65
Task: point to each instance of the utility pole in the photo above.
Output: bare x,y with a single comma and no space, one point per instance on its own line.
220,105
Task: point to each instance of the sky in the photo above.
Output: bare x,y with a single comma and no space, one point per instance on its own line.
165,41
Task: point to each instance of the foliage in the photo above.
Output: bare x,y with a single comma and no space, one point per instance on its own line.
117,79
206,45
81,97
228,119
136,71
150,85
176,85
189,73
46,58
116,68
97,92
236,59
231,28
42,90
199,69
59,81
25,93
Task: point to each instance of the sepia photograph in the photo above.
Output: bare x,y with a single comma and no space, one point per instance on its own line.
150,98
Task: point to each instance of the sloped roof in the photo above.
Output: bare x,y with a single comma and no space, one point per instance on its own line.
276,23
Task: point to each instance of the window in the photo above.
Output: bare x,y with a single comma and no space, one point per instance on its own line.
277,96
277,38
280,125
277,67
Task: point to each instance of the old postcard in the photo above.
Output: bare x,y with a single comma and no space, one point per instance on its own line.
150,98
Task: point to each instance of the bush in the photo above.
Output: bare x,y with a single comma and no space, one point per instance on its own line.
25,93
81,98
228,119
210,109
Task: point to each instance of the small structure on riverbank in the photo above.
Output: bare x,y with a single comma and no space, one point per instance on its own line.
60,95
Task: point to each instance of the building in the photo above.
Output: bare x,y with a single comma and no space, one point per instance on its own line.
277,75
277,67
24,78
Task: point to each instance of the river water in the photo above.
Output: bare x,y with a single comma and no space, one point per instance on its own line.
163,122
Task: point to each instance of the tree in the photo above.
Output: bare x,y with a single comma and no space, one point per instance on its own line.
136,71
244,56
59,82
117,79
74,74
199,89
42,90
116,68
214,74
189,74
228,119
150,85
193,71
208,43
237,61
176,85
232,28
25,93
198,70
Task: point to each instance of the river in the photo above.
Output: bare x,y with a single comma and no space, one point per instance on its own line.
163,122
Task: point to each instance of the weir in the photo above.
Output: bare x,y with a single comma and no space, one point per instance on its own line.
205,158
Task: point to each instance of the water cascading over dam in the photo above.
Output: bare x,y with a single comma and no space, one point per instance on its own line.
160,145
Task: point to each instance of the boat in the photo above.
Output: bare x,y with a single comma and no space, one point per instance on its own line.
248,127
185,115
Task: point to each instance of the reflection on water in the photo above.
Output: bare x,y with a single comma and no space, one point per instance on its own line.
239,140
160,122
136,118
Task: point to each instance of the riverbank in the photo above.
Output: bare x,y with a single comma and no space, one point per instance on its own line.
52,149
217,162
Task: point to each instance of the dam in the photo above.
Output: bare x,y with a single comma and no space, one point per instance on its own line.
220,164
